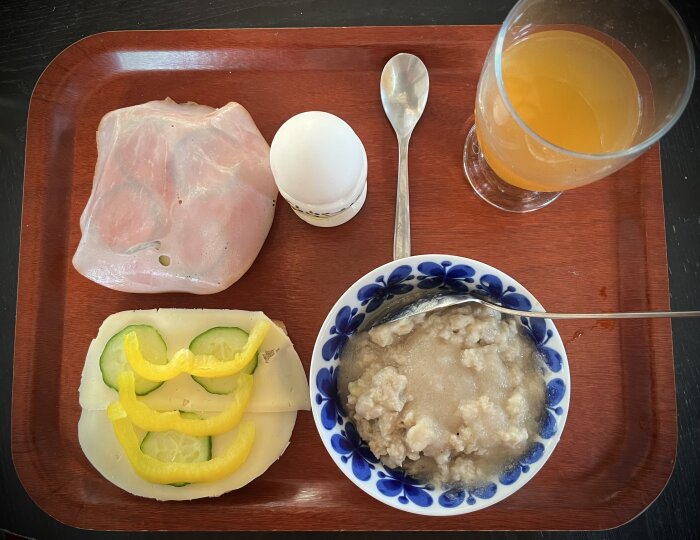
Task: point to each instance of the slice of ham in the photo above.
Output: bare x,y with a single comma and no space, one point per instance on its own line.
182,200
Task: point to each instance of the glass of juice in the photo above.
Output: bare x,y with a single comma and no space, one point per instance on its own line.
571,91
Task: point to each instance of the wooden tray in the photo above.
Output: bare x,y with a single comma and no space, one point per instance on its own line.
601,247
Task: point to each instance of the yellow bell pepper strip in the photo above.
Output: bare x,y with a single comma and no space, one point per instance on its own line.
185,361
151,420
161,472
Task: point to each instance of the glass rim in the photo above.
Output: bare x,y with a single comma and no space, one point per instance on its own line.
637,148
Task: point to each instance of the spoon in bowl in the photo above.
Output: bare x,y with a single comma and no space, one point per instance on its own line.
404,90
441,301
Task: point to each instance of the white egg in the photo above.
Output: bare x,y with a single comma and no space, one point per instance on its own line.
320,167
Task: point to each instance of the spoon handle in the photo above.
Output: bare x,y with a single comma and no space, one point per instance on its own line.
622,315
402,224
441,301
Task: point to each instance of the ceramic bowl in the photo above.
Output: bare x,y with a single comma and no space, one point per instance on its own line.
390,283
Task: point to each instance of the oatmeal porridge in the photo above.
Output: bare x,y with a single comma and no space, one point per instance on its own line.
451,396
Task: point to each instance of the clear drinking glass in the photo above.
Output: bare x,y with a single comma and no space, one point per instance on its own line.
571,91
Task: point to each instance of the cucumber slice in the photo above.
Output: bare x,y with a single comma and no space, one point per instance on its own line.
222,342
113,360
173,446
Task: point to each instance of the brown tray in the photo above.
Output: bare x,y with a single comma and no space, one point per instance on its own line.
601,247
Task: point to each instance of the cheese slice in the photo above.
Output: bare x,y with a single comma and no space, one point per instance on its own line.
280,380
103,451
280,389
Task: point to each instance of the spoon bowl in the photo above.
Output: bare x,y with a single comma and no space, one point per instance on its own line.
404,92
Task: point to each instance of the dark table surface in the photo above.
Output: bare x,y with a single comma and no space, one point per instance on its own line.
33,33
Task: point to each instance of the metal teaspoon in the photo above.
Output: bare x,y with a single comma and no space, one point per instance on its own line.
441,301
404,91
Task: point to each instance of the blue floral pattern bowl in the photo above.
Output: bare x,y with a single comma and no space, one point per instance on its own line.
430,273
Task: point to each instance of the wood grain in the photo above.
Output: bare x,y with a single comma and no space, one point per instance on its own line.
601,247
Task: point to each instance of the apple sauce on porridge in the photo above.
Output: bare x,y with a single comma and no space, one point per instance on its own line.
453,396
